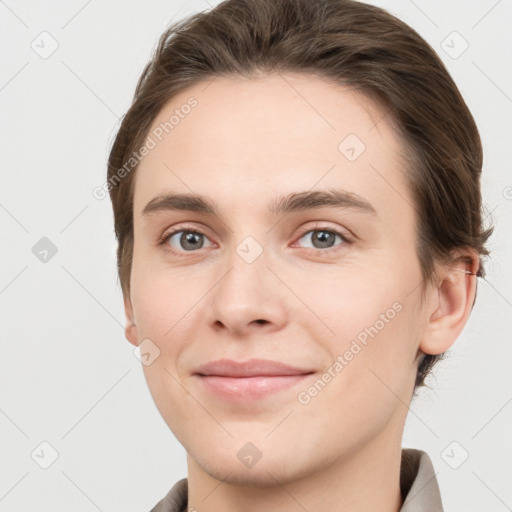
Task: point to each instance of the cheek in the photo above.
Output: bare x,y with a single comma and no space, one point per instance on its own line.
159,297
371,327
371,369
168,311
164,307
348,301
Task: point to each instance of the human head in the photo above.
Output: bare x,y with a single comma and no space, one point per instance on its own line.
350,44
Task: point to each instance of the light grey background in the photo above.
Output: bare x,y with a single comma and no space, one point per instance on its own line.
69,378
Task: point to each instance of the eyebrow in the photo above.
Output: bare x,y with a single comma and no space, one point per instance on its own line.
294,202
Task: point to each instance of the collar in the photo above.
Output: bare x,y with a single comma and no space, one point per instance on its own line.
418,484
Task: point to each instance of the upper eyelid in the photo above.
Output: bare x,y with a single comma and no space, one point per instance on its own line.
325,226
173,231
318,225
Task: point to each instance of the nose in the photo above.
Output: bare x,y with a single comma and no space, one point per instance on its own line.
249,297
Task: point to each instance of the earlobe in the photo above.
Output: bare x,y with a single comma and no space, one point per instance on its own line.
450,308
131,328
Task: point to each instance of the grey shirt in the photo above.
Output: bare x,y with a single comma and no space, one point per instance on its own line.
418,485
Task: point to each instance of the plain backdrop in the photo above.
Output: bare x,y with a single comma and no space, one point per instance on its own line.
72,393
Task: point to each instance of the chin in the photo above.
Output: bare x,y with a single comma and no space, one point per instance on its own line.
261,475
275,469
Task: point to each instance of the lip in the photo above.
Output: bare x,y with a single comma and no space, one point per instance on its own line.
249,380
250,368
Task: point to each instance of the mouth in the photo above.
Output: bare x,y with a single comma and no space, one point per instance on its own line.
250,380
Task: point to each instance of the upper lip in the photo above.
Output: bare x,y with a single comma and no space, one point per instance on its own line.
250,368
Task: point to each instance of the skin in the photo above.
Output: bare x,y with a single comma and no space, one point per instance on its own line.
247,142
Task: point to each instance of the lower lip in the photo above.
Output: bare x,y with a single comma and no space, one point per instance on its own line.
253,388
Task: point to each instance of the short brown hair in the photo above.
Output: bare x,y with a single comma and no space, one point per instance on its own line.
346,42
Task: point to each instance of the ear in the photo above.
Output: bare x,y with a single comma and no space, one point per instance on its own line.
451,303
130,329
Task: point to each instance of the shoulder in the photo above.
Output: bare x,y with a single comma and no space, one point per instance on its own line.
175,500
418,482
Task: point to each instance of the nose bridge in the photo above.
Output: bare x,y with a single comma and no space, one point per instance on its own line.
248,293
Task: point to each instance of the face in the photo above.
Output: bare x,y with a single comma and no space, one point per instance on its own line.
329,285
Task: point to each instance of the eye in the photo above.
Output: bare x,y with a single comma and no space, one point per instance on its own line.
324,238
187,239
183,239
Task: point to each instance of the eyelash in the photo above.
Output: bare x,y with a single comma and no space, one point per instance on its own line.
192,229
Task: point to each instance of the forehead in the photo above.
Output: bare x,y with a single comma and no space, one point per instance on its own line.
246,138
